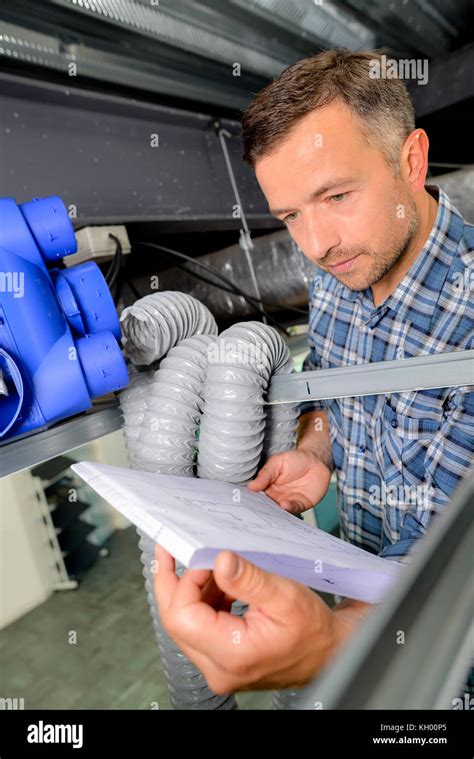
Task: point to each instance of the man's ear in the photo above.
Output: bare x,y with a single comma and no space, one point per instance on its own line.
414,159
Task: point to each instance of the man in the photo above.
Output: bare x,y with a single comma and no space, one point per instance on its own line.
340,162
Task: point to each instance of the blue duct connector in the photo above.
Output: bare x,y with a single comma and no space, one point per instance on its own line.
58,328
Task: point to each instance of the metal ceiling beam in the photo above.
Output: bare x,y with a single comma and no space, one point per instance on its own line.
450,81
188,47
161,76
181,28
95,151
317,26
407,25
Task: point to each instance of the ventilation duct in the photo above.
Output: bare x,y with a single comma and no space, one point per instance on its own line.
283,275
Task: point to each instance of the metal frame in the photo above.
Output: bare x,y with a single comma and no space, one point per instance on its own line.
451,370
63,581
432,604
64,436
378,378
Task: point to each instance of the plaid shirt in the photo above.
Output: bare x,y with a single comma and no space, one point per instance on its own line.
399,457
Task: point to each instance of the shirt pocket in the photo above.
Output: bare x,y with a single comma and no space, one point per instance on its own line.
408,423
404,430
415,416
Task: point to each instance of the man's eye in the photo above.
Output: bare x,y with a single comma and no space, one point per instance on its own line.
339,197
290,217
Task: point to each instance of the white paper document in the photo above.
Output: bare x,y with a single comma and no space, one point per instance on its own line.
194,519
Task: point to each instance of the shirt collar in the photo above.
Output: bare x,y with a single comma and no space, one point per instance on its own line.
444,236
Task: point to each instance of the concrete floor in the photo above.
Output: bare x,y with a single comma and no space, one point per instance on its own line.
114,664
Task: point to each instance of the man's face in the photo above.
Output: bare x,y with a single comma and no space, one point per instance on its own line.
340,200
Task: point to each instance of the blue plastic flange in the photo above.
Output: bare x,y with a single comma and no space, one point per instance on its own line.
93,298
102,363
68,302
51,227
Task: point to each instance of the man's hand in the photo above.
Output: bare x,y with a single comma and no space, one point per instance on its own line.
296,480
287,635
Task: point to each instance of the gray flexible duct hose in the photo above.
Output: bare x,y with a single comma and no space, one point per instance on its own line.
167,444
161,413
167,434
237,430
187,686
159,321
133,404
236,426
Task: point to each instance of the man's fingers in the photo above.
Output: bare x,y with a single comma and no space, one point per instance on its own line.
164,580
199,625
267,474
294,507
163,558
244,580
219,681
215,597
190,588
264,478
194,586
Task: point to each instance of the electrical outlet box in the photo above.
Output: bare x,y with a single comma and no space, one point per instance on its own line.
94,244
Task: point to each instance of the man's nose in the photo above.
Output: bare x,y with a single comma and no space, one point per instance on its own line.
321,236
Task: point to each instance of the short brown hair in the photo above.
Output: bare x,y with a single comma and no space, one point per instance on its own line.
382,105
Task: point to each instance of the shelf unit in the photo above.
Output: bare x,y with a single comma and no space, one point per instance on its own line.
63,437
68,511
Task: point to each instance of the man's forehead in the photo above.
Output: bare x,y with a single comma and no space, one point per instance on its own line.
319,139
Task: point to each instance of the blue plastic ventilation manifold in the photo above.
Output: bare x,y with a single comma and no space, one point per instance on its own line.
58,327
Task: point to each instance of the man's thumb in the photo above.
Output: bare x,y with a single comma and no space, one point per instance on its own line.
241,579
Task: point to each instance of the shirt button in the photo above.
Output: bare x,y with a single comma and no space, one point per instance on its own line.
357,506
361,448
394,423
